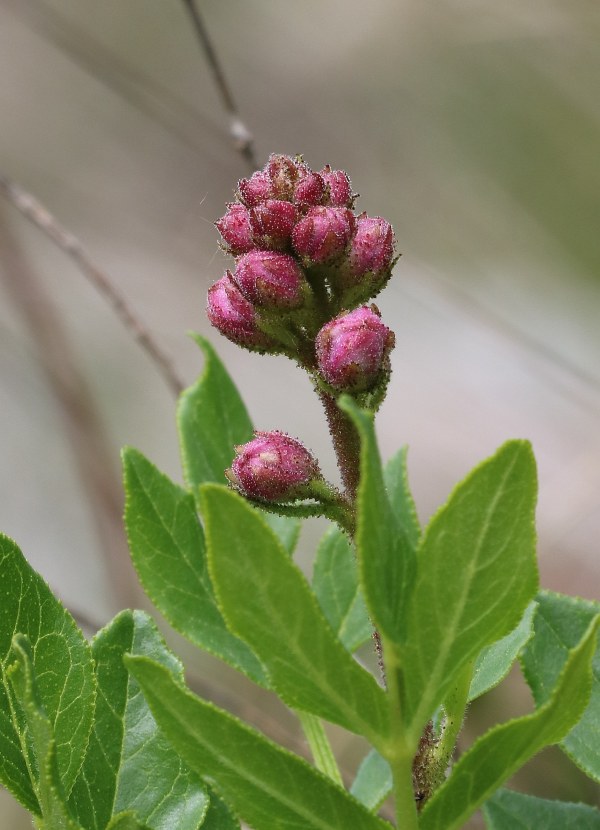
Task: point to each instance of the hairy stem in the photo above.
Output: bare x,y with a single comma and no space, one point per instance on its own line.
346,443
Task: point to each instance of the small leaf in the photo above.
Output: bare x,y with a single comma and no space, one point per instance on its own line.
395,474
495,757
219,817
559,623
507,810
126,821
169,553
335,583
494,662
62,664
212,419
476,575
267,786
373,782
129,765
266,599
386,555
37,732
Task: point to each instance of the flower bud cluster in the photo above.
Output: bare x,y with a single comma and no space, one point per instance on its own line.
306,266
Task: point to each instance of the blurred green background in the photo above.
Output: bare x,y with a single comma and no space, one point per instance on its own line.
474,127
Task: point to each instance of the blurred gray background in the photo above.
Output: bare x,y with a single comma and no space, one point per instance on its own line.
473,126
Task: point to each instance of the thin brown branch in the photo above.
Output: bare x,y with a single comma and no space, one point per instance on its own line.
33,210
83,427
241,136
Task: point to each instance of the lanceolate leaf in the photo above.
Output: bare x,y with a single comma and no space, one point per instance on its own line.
494,662
336,585
476,575
373,782
169,553
395,475
385,552
268,787
129,765
266,599
62,664
559,623
212,420
508,810
496,756
37,731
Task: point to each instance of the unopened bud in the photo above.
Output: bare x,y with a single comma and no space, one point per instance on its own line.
323,234
283,173
372,246
352,350
235,229
340,190
310,189
271,279
273,467
272,223
234,316
255,189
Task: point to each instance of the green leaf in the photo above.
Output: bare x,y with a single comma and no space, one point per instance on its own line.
373,782
212,419
386,555
559,623
476,575
126,821
507,810
266,599
219,817
495,757
335,583
38,733
395,475
62,664
267,786
129,765
494,662
169,553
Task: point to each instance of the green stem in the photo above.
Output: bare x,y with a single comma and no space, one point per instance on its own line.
400,754
320,746
346,443
455,706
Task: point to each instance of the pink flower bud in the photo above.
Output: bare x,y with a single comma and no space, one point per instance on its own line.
235,229
255,189
283,173
234,316
273,467
324,233
310,189
270,279
352,350
273,222
340,190
372,247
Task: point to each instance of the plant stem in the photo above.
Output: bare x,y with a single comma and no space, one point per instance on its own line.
346,443
320,746
400,755
454,706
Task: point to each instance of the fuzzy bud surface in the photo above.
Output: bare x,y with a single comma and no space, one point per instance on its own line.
310,189
255,189
235,229
270,279
234,316
352,350
372,247
272,222
273,467
340,190
324,233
